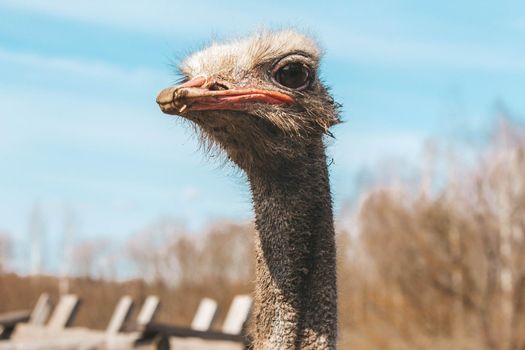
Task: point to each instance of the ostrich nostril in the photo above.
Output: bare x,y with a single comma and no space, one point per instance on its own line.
216,86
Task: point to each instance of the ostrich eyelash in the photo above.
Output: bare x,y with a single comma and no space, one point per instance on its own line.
182,78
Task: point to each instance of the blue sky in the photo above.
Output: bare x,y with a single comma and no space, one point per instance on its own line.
79,127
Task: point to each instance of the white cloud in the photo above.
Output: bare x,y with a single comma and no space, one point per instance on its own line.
96,11
358,149
31,118
190,193
520,24
343,40
376,49
93,70
83,103
160,16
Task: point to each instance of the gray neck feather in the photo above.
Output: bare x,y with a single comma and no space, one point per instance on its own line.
295,294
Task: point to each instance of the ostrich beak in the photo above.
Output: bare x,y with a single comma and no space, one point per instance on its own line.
201,94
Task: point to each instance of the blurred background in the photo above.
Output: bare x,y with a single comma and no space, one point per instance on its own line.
101,194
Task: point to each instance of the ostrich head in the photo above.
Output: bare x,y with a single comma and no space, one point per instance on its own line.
259,99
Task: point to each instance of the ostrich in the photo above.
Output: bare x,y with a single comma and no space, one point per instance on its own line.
260,101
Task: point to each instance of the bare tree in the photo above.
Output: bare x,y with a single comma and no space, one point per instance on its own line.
150,251
86,257
37,239
6,249
457,258
69,233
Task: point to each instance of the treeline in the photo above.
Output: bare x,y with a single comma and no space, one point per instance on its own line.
179,268
443,266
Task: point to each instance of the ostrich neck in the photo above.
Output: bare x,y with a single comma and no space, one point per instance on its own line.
295,294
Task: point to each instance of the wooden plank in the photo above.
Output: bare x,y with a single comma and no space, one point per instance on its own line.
199,344
237,314
204,315
64,313
13,317
232,328
9,320
41,310
120,315
154,329
148,310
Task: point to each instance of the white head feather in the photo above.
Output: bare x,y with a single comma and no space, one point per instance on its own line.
235,57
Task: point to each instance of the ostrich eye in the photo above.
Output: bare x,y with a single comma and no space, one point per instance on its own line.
293,75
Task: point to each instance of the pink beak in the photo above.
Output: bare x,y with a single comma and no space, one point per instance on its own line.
196,95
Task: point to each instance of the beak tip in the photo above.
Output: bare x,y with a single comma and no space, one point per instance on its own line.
165,100
166,95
